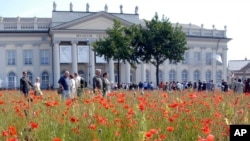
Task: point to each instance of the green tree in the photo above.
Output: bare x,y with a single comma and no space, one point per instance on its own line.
158,41
116,45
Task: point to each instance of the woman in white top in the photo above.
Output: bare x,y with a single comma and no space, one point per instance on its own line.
106,84
37,87
72,85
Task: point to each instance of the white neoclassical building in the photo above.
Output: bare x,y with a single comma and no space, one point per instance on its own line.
46,47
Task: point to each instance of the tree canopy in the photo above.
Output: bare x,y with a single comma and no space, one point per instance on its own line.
158,41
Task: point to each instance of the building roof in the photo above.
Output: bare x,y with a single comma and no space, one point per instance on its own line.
235,65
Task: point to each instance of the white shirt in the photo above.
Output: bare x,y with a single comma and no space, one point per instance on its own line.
77,81
72,83
37,86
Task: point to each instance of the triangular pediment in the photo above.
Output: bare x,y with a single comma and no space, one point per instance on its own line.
97,21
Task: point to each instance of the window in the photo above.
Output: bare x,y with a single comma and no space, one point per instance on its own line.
12,80
28,57
185,61
208,75
218,76
147,76
196,76
197,56
116,77
131,77
160,76
172,76
11,54
208,58
44,57
45,80
184,75
29,75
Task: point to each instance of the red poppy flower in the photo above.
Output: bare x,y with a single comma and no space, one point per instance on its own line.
5,133
73,119
56,139
33,125
210,137
170,128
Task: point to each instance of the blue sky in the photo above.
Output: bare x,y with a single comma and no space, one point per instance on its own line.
233,14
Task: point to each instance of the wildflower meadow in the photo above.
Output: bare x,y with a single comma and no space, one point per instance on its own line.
123,115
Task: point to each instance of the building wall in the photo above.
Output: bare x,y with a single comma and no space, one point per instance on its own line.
39,37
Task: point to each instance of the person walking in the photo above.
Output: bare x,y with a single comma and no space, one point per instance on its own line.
97,81
72,85
106,84
25,85
37,87
64,85
79,84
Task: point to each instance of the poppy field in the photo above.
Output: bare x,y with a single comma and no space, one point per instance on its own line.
122,116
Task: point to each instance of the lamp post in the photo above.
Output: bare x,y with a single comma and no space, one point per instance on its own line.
89,66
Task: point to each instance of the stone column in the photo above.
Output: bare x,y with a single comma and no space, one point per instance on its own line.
143,72
127,72
36,61
214,65
19,62
203,59
178,72
74,57
191,65
224,73
111,70
91,64
56,63
3,62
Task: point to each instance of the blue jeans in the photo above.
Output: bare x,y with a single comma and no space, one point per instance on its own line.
65,94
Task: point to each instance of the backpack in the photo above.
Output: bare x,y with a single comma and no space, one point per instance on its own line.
83,83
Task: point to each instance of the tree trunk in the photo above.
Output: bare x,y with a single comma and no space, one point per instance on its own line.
157,74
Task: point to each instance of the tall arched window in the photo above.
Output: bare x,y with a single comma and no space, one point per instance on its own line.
147,76
116,77
184,75
29,75
172,76
45,80
208,75
12,80
196,76
133,75
218,76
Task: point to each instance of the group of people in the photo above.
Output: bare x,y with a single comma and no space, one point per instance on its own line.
71,85
101,83
26,86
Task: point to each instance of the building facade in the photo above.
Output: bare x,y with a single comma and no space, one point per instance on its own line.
46,47
238,69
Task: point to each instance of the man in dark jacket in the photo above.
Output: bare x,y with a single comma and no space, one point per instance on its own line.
25,85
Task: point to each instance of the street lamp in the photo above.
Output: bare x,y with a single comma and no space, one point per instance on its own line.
89,66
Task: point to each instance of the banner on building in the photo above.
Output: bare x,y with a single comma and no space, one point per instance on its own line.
83,54
65,54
